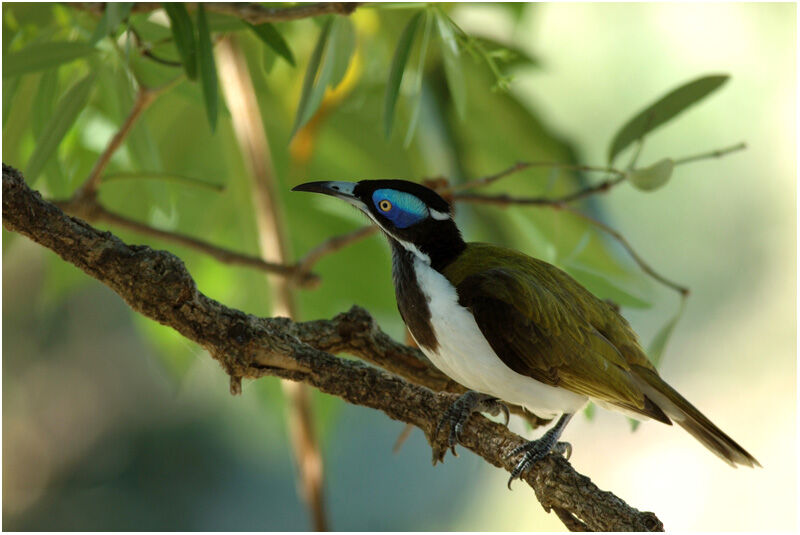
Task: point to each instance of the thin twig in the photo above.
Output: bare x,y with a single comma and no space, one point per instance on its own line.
145,175
683,290
93,211
250,12
144,97
521,166
401,439
719,153
148,53
333,245
503,199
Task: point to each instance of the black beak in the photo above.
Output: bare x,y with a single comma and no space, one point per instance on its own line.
342,190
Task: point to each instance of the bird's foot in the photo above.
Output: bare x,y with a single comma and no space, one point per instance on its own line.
459,412
536,450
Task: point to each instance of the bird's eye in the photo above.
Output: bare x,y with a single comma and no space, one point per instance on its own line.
385,205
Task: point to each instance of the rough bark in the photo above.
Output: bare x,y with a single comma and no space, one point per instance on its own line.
157,285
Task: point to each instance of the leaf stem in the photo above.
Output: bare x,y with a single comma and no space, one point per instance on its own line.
719,153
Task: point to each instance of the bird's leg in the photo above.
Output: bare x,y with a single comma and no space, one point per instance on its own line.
536,450
459,412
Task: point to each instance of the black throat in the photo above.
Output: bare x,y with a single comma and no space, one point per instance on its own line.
411,302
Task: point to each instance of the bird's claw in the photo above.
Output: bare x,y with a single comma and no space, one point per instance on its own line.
535,451
459,412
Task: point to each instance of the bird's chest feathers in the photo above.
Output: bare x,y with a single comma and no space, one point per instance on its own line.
445,331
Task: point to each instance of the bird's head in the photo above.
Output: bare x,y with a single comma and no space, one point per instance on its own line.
412,216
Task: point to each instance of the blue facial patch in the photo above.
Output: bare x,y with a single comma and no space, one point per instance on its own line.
399,207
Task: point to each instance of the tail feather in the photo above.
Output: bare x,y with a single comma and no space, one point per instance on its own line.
692,420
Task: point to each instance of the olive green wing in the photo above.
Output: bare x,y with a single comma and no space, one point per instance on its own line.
539,329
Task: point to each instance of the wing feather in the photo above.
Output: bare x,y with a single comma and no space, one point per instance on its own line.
540,330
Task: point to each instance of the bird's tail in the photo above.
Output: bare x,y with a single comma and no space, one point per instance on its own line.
692,420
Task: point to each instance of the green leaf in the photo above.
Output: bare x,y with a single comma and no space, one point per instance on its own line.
589,411
652,177
656,349
312,93
43,56
114,13
604,288
208,69
665,109
423,52
219,22
273,39
183,35
399,61
56,128
452,65
10,85
44,100
345,43
268,58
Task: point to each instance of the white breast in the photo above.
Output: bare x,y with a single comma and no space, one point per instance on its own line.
464,355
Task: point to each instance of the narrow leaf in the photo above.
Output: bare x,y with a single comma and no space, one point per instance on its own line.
43,56
656,349
114,13
423,52
56,128
273,39
208,69
652,177
452,65
399,61
310,100
665,109
183,35
44,100
345,44
268,57
10,85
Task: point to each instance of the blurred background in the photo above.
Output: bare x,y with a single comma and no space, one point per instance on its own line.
112,422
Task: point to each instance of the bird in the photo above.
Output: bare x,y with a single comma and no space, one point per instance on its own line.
514,329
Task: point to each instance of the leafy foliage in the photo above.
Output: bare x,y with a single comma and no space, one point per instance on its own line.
69,80
663,110
273,39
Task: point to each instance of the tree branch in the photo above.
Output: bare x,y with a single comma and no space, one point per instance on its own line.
249,12
91,210
144,97
331,246
157,285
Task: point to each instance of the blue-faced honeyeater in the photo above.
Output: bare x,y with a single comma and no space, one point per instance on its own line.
512,328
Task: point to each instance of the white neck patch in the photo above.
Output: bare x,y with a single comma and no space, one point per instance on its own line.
410,247
436,214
